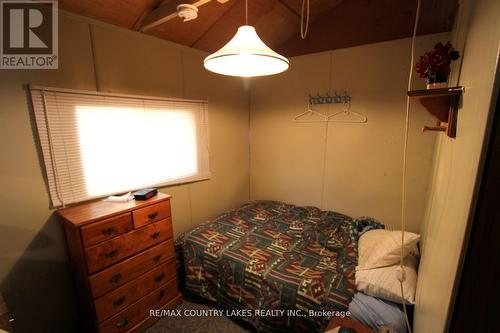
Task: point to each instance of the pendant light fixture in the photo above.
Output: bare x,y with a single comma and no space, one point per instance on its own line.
246,55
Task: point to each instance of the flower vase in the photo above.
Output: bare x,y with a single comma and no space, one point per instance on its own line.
436,85
436,79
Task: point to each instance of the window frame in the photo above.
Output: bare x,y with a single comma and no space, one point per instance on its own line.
46,150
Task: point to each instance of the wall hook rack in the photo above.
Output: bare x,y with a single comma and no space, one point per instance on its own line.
327,99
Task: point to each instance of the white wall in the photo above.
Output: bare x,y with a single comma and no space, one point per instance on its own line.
455,169
350,168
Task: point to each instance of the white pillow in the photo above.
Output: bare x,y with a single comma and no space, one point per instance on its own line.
382,282
381,248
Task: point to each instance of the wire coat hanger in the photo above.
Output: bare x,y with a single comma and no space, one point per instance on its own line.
307,116
347,115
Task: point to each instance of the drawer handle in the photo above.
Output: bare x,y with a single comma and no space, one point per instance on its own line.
160,295
157,258
160,277
108,231
155,235
111,254
153,215
119,301
115,278
122,323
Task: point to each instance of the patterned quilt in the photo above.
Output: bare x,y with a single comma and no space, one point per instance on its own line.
270,255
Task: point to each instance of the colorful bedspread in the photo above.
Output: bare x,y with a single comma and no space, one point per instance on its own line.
270,255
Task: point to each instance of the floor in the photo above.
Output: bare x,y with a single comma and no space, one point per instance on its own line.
183,324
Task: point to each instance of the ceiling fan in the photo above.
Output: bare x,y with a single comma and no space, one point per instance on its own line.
169,10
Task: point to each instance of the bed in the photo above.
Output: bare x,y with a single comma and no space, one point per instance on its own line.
271,255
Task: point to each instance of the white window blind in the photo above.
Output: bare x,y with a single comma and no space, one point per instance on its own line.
97,144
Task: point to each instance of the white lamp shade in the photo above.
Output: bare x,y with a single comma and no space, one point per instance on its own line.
246,55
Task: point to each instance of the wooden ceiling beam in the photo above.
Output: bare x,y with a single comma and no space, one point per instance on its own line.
140,20
162,14
203,34
290,9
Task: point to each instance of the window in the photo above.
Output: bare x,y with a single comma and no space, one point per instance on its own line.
96,144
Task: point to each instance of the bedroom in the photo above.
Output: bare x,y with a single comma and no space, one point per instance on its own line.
259,141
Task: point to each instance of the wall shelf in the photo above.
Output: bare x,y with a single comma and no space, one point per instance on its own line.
442,104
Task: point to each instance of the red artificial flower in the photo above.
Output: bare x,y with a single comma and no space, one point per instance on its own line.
437,61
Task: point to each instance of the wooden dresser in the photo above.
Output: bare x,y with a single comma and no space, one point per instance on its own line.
123,258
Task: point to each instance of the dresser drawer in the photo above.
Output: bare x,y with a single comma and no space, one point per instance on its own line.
106,229
150,320
151,213
127,294
113,277
109,252
135,313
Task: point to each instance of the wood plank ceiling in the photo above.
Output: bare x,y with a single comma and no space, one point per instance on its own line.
334,24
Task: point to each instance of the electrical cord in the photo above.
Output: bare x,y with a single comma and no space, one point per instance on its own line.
305,10
246,12
401,272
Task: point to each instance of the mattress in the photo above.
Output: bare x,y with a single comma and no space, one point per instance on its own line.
269,255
